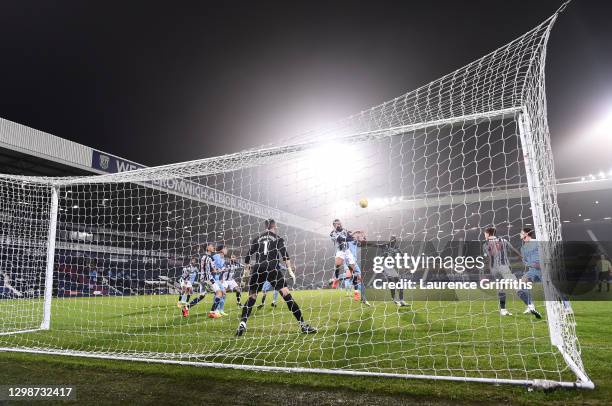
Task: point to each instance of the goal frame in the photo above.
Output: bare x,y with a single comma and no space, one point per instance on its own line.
49,267
534,184
53,212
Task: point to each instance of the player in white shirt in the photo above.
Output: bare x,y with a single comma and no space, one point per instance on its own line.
188,278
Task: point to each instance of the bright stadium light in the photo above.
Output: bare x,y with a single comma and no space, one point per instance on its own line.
603,128
327,155
328,169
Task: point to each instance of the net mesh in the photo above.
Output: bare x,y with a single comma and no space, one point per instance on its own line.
437,164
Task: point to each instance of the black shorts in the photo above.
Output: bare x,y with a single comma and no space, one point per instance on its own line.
266,272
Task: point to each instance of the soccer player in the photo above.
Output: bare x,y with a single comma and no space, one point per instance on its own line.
190,273
267,286
344,256
207,280
390,250
530,253
356,279
233,271
496,251
268,249
219,273
603,267
348,287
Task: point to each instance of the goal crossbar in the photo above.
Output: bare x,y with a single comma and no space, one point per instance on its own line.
257,157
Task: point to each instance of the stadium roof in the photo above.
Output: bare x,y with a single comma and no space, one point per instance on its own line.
26,151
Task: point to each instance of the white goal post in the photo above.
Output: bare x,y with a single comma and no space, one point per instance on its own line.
91,266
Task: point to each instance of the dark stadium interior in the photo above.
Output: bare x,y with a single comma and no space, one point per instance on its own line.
19,163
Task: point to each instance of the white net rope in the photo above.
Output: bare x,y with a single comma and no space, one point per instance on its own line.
437,164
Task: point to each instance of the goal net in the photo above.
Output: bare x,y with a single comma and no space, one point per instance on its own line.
93,266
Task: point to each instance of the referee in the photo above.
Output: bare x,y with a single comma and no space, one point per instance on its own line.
268,249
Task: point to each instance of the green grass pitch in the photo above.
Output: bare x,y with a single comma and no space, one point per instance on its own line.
445,338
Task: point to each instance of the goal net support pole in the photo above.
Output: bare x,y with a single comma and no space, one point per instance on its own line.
536,170
46,322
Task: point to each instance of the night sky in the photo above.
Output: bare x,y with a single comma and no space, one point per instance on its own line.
161,83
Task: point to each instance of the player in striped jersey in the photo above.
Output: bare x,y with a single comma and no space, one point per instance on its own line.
345,256
496,251
188,278
233,271
207,281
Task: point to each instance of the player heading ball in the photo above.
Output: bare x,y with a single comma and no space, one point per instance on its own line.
269,249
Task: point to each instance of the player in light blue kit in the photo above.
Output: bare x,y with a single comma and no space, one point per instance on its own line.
219,260
348,286
530,253
356,274
267,286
